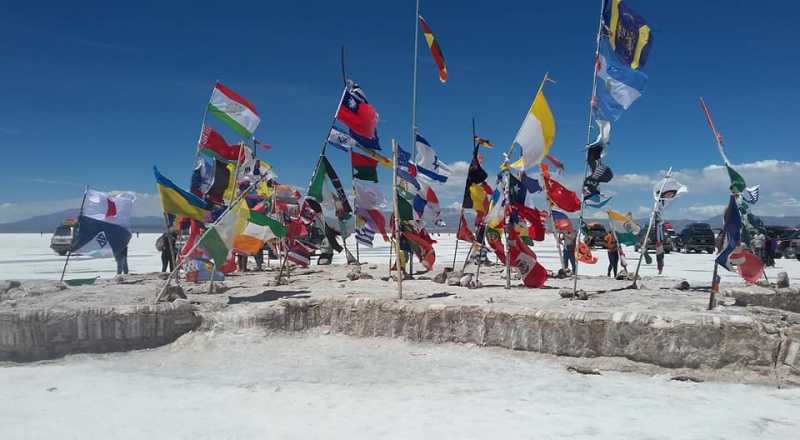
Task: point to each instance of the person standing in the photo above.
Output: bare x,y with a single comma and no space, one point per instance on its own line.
122,261
166,244
569,248
613,253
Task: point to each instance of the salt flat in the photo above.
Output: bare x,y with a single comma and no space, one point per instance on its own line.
247,384
28,256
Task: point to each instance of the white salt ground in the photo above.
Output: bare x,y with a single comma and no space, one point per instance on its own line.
251,385
28,256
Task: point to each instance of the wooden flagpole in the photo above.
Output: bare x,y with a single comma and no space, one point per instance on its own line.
74,233
588,140
396,231
643,246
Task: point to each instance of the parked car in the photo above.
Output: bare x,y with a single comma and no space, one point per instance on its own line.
668,242
61,242
697,237
596,235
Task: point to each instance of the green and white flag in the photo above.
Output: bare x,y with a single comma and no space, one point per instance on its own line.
738,184
218,241
238,113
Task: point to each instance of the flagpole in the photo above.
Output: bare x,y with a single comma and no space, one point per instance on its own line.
507,169
200,239
588,140
712,300
413,142
352,173
74,233
475,148
643,246
396,222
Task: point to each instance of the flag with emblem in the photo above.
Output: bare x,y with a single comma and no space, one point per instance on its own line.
628,33
99,238
234,110
357,114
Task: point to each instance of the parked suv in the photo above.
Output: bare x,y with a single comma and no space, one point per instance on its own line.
61,242
668,243
596,235
697,237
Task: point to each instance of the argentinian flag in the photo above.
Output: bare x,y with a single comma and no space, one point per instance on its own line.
617,84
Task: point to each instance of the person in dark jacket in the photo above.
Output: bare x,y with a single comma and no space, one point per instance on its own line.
166,244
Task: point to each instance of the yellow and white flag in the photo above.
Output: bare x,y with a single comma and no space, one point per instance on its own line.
536,134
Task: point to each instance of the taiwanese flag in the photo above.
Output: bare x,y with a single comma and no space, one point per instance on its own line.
364,167
357,114
436,51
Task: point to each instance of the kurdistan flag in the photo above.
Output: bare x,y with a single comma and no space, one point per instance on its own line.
536,134
218,241
260,229
624,228
234,110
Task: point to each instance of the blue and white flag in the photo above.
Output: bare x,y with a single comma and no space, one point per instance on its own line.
365,235
99,238
619,85
428,164
406,169
597,200
732,230
341,140
750,194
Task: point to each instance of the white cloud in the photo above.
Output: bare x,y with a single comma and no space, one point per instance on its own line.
704,211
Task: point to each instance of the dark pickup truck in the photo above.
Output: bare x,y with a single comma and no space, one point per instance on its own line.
696,237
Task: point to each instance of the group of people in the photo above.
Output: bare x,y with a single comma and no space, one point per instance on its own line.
569,240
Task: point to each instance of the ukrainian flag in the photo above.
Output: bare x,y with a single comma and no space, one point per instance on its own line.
176,201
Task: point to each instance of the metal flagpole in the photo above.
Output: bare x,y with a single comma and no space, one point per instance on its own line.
396,223
353,184
74,233
588,140
643,246
211,226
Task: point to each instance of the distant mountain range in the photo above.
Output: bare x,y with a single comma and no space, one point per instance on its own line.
49,222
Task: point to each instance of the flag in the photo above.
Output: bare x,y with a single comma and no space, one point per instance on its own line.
222,183
357,113
213,142
624,227
368,195
405,199
750,194
426,197
424,243
179,202
532,273
218,240
346,142
436,51
584,254
365,235
464,233
556,163
364,168
596,200
495,242
428,163
260,229
732,229
476,176
112,208
300,253
482,142
560,196
519,189
99,237
628,33
537,132
203,174
406,170
561,222
738,184
619,85
235,111
374,219
749,266
496,215
667,190
315,190
479,197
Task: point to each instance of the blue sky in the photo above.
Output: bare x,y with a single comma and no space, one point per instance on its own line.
98,92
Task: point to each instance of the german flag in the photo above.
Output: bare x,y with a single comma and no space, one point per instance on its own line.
436,51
